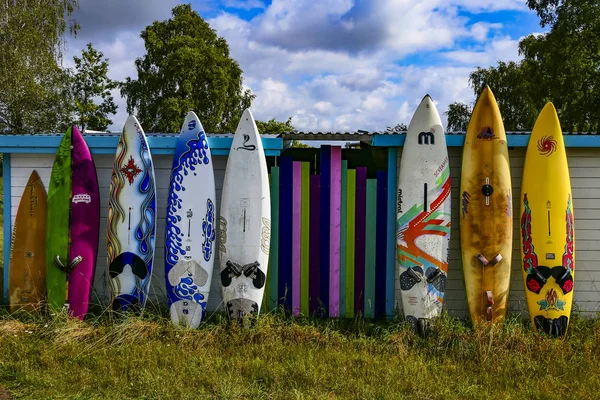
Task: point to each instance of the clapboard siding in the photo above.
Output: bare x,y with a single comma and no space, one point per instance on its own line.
584,168
23,164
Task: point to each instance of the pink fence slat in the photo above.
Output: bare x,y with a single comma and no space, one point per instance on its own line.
334,231
296,235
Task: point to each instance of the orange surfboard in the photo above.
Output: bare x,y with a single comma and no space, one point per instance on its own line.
27,277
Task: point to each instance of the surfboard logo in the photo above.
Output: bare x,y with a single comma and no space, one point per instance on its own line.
222,234
486,133
465,203
191,125
130,170
546,146
82,198
246,146
265,242
427,137
208,229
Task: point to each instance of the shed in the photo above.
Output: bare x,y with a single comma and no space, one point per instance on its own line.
377,153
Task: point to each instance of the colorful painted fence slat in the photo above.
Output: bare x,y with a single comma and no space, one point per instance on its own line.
370,245
359,239
335,199
325,223
305,240
273,272
296,234
285,231
343,236
314,243
350,242
390,264
381,245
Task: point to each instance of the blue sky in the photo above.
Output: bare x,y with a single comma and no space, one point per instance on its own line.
331,65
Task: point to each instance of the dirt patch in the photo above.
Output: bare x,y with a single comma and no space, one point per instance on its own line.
4,394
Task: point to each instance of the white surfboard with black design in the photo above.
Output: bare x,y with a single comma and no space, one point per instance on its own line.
190,225
244,223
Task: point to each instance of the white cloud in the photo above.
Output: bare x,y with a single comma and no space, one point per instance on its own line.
501,49
339,64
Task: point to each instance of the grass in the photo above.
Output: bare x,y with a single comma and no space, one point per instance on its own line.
278,357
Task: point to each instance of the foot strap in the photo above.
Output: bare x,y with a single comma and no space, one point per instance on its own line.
490,302
415,275
485,261
70,266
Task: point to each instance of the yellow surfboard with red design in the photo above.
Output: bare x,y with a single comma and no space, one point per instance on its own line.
547,227
486,217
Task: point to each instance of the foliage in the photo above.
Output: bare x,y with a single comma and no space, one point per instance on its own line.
90,82
186,67
279,357
401,127
34,89
275,127
459,115
562,66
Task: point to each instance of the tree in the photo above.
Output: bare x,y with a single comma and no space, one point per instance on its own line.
186,67
401,127
562,66
89,83
277,127
274,127
459,115
34,89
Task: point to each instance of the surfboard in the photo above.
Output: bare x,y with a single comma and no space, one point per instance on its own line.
27,274
84,227
57,225
244,223
131,225
190,225
547,227
423,217
486,214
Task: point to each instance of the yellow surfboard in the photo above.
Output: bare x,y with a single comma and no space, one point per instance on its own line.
486,228
547,227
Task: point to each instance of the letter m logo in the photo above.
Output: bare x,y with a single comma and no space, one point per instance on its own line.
426,138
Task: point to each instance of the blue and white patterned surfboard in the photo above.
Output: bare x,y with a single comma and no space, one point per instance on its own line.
131,219
190,225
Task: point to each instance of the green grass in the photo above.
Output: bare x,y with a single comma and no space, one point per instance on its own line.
281,358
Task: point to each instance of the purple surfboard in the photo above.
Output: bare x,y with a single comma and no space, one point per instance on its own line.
85,225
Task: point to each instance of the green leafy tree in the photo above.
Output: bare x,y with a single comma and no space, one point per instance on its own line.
459,115
562,66
277,127
186,67
91,82
35,93
274,127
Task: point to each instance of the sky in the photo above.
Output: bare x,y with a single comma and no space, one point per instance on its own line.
331,65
